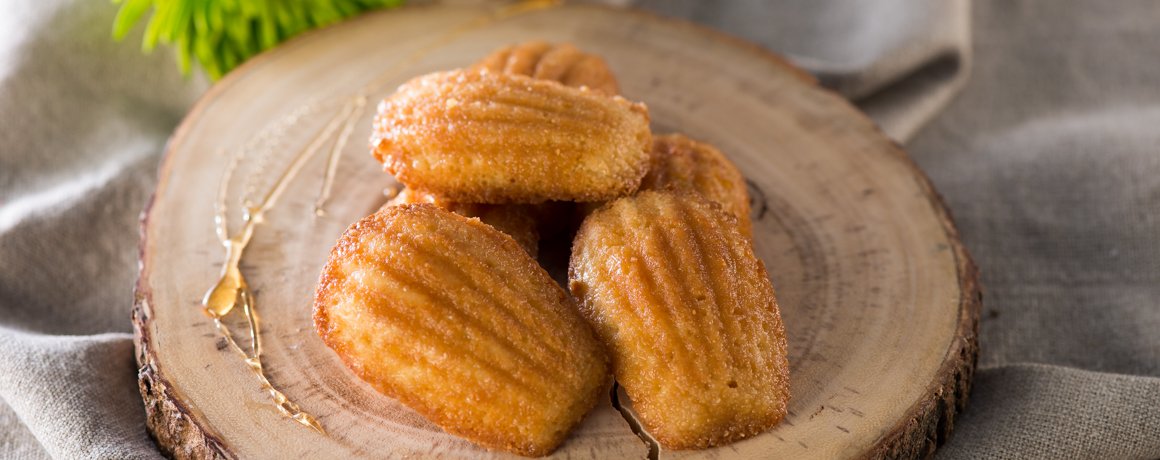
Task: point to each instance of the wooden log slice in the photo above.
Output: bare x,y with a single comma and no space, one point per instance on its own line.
879,298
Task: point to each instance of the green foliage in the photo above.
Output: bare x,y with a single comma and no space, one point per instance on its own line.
220,34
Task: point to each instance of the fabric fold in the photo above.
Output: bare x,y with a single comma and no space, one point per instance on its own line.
1089,415
901,61
76,394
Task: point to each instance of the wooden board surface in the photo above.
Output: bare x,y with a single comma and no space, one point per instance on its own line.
878,296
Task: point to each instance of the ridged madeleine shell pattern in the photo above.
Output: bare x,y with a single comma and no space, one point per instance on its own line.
562,62
455,320
484,137
516,220
679,162
688,312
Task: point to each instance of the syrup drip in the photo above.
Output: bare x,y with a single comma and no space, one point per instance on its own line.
231,289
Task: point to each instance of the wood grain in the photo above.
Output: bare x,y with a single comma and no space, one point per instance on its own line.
879,298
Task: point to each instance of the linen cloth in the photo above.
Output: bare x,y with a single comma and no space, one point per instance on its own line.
1048,158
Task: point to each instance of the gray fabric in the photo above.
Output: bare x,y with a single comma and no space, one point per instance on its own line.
901,60
1038,411
82,120
1048,159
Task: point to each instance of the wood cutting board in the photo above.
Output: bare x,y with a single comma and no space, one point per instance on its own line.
879,298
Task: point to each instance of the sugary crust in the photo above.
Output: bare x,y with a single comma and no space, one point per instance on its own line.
562,62
483,137
689,314
679,162
452,318
517,220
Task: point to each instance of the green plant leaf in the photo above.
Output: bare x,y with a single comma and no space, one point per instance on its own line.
218,35
129,13
201,17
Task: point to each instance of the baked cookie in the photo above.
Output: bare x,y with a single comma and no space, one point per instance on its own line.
678,162
688,313
517,220
562,62
483,137
451,317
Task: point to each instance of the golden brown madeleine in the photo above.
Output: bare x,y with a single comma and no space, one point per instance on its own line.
451,317
688,312
517,220
682,163
563,63
482,137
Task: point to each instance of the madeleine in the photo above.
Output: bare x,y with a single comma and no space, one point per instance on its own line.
451,317
483,137
688,313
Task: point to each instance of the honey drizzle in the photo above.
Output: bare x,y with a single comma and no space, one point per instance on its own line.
231,289
336,154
